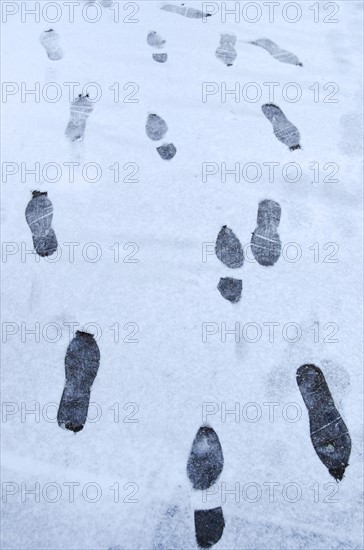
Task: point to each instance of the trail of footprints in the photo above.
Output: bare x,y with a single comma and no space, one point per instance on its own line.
329,434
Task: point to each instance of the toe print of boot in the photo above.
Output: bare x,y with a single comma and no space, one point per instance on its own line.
228,248
81,364
206,460
50,40
278,53
39,216
209,526
282,128
329,434
265,243
81,109
226,51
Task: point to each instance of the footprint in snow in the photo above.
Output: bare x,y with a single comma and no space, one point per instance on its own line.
265,242
39,215
226,51
156,128
329,434
155,41
278,53
81,109
192,13
50,40
82,364
282,128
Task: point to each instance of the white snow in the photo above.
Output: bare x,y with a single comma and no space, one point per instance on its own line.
164,378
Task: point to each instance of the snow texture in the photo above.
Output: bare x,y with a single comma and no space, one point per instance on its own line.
168,216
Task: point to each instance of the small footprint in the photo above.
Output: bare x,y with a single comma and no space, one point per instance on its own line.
283,129
226,51
230,289
281,55
206,460
156,128
328,431
81,109
228,248
39,215
265,242
185,11
50,40
209,526
82,363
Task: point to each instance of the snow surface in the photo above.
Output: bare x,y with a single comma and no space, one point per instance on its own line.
170,212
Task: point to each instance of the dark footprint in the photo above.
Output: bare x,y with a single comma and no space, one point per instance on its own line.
329,434
226,51
265,242
39,215
156,127
281,55
160,57
186,12
167,151
81,109
155,40
82,363
283,128
50,40
209,526
206,460
228,248
230,289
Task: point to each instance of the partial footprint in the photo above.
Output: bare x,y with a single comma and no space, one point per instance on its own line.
265,243
82,363
209,526
328,431
50,40
228,248
155,41
185,11
230,289
206,460
226,51
281,55
167,151
39,215
283,129
156,127
81,109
